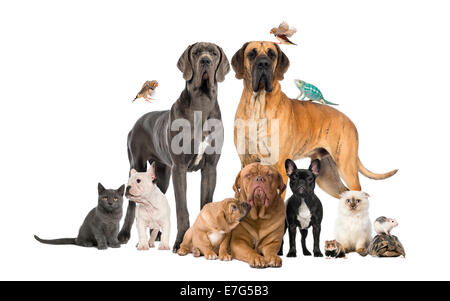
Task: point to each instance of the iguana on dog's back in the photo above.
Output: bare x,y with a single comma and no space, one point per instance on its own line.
312,92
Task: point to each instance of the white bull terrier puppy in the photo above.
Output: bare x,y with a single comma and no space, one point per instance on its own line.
153,209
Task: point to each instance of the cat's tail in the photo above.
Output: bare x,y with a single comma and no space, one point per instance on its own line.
59,241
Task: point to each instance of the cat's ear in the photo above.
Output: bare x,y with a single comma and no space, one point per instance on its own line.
133,171
100,187
121,190
151,171
365,194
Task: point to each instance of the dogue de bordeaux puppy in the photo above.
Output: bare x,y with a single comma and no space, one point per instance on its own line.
211,232
257,239
306,129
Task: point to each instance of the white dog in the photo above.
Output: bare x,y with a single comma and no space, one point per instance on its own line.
353,226
152,208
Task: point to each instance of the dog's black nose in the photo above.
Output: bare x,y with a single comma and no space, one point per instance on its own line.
246,206
259,179
128,189
263,63
205,61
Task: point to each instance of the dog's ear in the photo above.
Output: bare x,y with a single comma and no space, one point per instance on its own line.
282,64
224,66
314,167
100,188
237,186
281,185
184,64
290,166
237,62
152,171
121,190
133,171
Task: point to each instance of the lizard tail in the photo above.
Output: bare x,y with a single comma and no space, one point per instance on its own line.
329,102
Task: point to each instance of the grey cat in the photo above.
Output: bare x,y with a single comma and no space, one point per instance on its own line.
101,225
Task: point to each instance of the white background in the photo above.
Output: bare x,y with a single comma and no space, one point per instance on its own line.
68,73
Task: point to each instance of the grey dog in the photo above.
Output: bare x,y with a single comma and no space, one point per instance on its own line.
150,140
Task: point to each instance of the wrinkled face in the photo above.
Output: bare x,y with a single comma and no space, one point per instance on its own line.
330,245
235,210
110,199
260,64
140,184
204,59
259,184
354,201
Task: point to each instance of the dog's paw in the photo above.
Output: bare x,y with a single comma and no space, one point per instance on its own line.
142,246
280,253
225,257
318,254
306,253
176,246
163,247
196,252
292,253
257,262
274,261
123,237
151,244
182,251
211,256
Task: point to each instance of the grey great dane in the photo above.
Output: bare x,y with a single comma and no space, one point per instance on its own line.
155,136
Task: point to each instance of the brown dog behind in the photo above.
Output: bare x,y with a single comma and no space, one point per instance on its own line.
210,234
257,239
306,129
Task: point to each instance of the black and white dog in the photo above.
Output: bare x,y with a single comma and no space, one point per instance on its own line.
179,140
303,208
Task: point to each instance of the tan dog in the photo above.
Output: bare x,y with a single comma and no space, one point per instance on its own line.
306,129
210,234
257,239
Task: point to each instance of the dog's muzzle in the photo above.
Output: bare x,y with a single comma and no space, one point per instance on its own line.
262,75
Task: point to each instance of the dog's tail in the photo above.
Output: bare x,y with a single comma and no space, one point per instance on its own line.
372,175
59,241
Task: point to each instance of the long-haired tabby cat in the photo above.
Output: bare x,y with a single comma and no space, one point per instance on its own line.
101,225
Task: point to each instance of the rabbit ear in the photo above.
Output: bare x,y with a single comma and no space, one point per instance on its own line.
223,68
184,64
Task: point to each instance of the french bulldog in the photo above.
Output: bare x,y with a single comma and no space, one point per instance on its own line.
153,209
303,208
